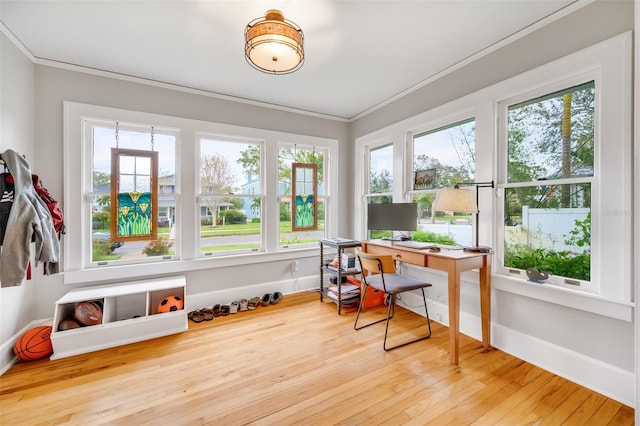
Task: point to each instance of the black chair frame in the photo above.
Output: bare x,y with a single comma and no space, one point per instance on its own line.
391,300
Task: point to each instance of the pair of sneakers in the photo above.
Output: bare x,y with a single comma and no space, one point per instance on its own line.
271,298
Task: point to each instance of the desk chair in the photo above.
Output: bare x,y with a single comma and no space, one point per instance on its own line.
381,275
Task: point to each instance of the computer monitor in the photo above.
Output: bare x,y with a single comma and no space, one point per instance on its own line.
402,217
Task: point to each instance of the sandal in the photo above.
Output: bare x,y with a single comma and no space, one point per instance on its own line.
207,314
216,310
233,307
244,304
196,316
224,310
253,303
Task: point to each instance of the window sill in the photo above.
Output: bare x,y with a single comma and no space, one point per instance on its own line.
560,296
115,273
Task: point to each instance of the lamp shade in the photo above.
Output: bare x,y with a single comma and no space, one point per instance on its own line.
456,200
273,44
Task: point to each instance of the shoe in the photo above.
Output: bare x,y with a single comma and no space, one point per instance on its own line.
224,310
244,304
266,299
196,316
207,314
254,303
233,307
216,310
276,297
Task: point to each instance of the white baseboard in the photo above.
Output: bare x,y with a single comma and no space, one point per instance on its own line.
7,356
609,380
288,286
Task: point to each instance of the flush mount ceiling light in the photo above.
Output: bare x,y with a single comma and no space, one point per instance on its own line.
273,44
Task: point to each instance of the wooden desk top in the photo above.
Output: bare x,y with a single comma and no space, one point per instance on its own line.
418,256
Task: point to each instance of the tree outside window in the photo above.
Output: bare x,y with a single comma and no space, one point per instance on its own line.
547,196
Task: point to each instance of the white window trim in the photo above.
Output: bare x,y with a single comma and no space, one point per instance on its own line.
199,136
187,154
612,60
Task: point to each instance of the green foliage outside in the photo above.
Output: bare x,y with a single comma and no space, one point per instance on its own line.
432,237
563,263
233,216
101,250
101,220
158,247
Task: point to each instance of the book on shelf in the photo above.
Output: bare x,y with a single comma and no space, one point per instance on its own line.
353,298
345,289
348,292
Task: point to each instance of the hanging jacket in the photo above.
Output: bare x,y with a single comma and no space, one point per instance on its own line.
29,217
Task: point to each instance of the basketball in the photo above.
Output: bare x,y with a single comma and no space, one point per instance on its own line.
68,324
170,304
34,344
89,313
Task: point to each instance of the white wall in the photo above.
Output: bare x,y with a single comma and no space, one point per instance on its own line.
591,349
16,133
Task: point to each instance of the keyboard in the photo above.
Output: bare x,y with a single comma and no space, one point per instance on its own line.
415,244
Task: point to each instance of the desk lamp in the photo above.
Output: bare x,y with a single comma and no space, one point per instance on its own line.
462,200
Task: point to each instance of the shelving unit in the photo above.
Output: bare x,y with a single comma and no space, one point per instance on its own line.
130,314
340,244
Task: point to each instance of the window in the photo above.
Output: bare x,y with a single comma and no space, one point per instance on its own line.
219,189
379,191
442,158
288,157
517,139
547,196
230,196
104,139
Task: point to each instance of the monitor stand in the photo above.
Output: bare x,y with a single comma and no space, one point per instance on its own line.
397,238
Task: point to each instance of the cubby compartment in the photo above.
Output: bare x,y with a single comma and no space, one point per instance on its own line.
130,314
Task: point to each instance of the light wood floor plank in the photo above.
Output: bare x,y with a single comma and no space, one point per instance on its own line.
297,363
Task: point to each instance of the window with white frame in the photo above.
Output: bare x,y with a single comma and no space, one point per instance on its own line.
101,139
549,155
556,140
288,155
213,186
380,183
230,195
442,158
564,167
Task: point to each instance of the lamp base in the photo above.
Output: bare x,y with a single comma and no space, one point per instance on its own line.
478,249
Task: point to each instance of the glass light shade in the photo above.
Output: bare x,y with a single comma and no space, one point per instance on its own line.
274,44
456,200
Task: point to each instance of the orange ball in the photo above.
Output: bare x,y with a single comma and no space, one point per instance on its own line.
34,344
170,304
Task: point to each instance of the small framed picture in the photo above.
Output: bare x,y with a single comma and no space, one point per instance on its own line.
424,179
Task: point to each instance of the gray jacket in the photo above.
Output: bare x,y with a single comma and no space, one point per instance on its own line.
29,217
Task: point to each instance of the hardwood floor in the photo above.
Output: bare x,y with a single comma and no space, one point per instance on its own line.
300,363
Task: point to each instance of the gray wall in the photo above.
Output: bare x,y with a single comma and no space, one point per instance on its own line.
589,25
17,133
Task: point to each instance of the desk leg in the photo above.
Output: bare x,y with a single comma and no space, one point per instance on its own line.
485,302
454,313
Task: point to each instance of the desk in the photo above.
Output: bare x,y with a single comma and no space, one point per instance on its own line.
453,262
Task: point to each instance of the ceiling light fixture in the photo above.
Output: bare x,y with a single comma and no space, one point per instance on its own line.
273,44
